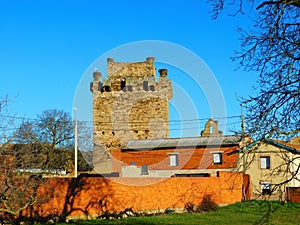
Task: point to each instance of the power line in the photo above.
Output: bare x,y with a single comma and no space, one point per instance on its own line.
172,124
169,121
89,121
18,118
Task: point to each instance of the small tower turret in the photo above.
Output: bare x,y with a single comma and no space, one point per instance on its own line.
163,73
96,85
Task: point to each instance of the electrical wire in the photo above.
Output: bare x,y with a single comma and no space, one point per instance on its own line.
172,124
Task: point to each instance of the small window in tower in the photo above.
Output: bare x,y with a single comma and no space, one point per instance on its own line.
107,88
152,88
113,133
103,132
129,88
145,85
123,85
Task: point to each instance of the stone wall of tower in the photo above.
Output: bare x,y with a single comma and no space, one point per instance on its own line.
130,104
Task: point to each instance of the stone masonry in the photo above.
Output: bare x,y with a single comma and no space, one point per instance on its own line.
211,129
129,104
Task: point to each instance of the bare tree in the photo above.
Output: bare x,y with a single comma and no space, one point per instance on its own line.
30,149
272,49
85,145
17,190
56,128
53,131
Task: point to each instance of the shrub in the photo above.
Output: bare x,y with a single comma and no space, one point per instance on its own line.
207,204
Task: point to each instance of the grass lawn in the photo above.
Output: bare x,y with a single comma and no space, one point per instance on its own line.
251,212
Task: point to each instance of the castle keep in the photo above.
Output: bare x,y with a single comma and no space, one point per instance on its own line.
130,103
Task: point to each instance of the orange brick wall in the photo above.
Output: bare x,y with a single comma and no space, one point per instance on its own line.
95,195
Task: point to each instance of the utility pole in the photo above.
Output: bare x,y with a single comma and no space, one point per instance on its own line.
76,141
243,121
243,152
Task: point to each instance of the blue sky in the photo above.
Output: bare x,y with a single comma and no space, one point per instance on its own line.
46,47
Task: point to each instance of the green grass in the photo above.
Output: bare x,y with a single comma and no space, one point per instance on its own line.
251,212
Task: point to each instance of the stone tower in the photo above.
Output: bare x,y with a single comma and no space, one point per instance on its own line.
131,103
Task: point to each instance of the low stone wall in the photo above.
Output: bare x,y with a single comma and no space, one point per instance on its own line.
91,195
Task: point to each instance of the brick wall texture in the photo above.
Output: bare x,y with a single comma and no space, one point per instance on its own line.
189,158
293,194
87,195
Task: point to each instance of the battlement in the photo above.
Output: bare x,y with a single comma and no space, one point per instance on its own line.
131,77
136,70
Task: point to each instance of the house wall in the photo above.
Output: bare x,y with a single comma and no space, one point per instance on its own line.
87,196
295,169
190,160
275,175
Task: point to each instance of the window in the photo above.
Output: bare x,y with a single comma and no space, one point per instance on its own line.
211,129
145,170
193,175
129,88
265,162
107,88
152,88
173,159
217,158
123,85
265,188
200,175
145,86
151,83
